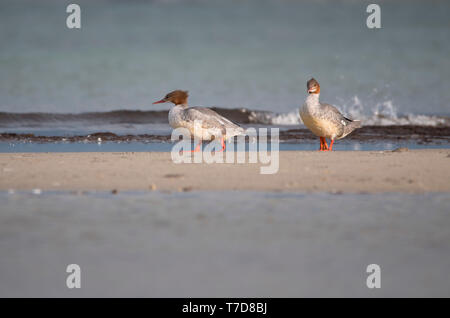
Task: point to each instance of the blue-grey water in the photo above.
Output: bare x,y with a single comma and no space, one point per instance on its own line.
228,244
255,53
25,146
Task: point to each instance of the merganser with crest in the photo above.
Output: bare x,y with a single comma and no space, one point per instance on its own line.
324,120
203,123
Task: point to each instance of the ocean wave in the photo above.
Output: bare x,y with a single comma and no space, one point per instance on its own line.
383,114
376,119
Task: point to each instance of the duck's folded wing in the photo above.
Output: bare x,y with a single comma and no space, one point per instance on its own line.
330,112
333,114
208,117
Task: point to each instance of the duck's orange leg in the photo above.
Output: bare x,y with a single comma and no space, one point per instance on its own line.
197,148
223,144
331,146
323,144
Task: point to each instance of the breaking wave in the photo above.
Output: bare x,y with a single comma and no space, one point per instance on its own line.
383,114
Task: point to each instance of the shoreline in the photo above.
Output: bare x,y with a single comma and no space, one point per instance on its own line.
394,133
409,171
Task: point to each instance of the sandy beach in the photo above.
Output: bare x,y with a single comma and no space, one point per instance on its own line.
409,171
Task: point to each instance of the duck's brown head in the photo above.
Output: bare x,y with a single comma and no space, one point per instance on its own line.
177,97
313,86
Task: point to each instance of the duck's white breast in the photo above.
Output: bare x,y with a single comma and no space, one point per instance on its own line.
319,126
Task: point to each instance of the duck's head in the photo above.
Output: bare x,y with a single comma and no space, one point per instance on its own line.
313,86
177,97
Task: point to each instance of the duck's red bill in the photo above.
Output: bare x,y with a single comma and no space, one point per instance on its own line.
159,102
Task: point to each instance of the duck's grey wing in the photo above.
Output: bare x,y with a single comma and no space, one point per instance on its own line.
209,118
329,112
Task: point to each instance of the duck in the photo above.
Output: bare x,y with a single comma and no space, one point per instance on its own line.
203,123
325,120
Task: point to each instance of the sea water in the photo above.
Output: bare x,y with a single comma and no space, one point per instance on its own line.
256,54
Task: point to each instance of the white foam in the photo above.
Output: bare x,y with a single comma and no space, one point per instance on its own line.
381,114
385,113
291,118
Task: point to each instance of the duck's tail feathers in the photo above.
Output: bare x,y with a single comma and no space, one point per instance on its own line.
352,125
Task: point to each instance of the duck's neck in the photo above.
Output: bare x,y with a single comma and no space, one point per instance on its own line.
185,105
312,100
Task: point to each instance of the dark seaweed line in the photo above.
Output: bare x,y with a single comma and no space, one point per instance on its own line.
419,134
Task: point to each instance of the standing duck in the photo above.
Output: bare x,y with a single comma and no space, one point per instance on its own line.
324,120
203,123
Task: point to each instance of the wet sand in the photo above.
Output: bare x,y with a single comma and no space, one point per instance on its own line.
409,171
